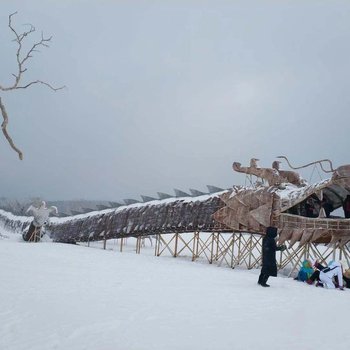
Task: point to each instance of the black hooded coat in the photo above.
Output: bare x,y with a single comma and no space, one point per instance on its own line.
269,247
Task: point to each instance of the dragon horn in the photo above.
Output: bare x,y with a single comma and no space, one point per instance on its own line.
312,163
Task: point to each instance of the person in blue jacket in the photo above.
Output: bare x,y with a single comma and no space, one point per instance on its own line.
305,271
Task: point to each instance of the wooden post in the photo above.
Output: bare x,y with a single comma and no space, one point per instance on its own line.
305,251
194,246
211,249
250,252
197,244
297,262
104,242
138,245
121,244
217,246
156,246
239,249
33,236
37,235
233,249
176,242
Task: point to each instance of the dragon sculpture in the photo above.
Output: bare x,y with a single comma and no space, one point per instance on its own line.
279,198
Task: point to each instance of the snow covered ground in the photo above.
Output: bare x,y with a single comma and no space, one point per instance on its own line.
70,297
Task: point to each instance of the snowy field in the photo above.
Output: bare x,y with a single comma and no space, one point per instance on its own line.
67,297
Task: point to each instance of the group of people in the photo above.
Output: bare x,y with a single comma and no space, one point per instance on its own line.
330,276
312,207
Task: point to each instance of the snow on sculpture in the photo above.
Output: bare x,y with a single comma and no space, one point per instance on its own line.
41,219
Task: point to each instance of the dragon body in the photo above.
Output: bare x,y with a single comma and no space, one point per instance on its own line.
281,203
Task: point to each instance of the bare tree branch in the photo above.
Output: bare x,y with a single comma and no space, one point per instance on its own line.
22,58
4,130
41,82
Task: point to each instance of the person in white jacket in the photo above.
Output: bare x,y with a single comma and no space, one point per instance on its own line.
334,269
41,218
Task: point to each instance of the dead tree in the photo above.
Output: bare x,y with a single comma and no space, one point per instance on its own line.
22,58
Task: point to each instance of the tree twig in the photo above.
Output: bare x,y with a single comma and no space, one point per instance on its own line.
4,130
41,82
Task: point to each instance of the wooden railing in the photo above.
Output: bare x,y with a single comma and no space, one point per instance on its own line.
301,222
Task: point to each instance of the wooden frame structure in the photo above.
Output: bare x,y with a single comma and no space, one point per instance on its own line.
36,235
236,249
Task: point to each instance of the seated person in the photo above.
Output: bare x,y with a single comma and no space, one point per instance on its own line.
327,206
334,269
305,271
312,207
346,278
316,274
346,207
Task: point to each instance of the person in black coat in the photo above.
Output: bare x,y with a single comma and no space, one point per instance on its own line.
269,248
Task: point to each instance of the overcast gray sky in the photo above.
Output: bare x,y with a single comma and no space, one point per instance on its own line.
167,94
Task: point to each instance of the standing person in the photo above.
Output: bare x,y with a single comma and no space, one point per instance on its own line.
269,248
41,218
346,207
334,269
